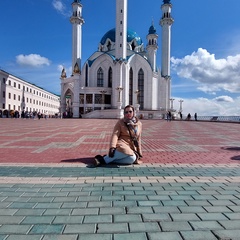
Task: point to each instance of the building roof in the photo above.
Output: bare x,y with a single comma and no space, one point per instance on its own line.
131,35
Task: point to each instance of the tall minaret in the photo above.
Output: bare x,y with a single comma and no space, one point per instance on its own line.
166,23
152,47
77,22
121,29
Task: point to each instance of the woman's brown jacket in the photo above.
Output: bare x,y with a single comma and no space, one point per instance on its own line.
121,139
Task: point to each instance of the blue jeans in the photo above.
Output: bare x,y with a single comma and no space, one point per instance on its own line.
120,158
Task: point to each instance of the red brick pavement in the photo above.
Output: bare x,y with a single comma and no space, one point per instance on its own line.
78,140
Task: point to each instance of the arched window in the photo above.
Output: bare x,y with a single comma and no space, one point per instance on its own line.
100,77
86,76
110,77
141,88
131,86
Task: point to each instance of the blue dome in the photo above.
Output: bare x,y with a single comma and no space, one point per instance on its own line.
131,35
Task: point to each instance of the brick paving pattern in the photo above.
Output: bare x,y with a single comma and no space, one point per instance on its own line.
187,188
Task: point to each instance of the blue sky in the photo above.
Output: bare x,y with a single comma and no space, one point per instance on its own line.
36,35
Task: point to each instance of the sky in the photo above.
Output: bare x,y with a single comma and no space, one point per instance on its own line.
36,38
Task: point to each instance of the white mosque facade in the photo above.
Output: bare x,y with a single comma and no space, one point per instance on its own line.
122,71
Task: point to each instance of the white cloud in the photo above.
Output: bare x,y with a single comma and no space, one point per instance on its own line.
33,60
220,106
214,74
60,7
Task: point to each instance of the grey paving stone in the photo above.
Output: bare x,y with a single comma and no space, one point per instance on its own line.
61,211
190,209
218,209
28,212
112,228
127,218
198,235
233,216
11,219
139,210
130,236
144,227
68,219
175,226
205,225
227,234
164,236
231,224
98,219
166,209
156,217
94,237
14,229
85,211
61,237
212,216
24,237
184,217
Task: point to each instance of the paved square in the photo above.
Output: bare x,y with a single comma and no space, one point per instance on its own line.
188,186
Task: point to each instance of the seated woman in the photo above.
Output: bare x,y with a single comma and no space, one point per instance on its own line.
125,144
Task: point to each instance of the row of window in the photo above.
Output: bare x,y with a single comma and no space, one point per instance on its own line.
27,109
28,100
28,89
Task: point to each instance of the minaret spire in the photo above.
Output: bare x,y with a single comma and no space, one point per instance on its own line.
77,22
121,29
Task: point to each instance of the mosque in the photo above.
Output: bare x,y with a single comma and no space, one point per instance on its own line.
122,71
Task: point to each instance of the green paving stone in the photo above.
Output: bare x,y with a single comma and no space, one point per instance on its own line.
156,217
64,199
125,203
14,229
10,219
140,210
112,228
26,212
37,220
212,216
144,227
149,203
205,225
68,219
198,235
164,236
85,211
192,209
48,205
231,224
136,198
17,199
166,209
80,228
112,198
227,234
197,203
88,198
203,197
20,205
61,237
157,197
41,199
57,212
127,218
57,194
184,217
112,210
98,219
100,204
175,226
130,236
174,203
24,237
47,229
75,205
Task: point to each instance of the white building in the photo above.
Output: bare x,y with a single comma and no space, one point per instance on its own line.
18,96
122,71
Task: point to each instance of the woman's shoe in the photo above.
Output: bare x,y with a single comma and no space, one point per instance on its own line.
98,161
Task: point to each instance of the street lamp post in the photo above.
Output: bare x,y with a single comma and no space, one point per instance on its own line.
171,100
103,92
180,101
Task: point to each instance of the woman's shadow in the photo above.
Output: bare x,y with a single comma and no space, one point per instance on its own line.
88,162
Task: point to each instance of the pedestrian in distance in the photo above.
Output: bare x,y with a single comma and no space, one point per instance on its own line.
125,144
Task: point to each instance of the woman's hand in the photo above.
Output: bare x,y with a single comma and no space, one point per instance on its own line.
111,152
